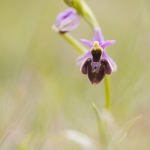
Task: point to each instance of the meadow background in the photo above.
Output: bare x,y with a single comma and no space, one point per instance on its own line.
42,91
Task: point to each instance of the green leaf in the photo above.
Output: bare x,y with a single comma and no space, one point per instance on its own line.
122,133
103,132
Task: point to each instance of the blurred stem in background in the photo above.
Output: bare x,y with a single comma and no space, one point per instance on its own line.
84,10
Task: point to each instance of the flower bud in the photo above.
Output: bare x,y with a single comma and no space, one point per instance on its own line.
67,20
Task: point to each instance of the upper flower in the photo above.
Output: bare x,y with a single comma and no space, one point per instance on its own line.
67,20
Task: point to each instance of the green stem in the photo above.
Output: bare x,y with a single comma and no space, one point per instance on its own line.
74,43
92,24
89,15
108,92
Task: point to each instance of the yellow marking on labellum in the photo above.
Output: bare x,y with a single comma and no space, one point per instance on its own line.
96,47
94,83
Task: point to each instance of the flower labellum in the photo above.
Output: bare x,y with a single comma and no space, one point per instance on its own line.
67,20
95,62
96,67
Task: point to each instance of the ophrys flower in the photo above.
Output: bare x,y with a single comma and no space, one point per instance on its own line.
67,20
95,62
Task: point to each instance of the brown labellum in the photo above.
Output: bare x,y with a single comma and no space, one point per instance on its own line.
96,70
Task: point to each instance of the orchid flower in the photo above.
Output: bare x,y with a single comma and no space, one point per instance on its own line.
95,62
98,36
67,20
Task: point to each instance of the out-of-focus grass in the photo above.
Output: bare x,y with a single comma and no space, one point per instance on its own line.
42,91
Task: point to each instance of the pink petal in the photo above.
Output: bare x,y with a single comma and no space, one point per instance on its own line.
98,36
107,43
70,23
64,14
87,42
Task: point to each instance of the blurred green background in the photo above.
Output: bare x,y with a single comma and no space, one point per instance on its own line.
42,91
